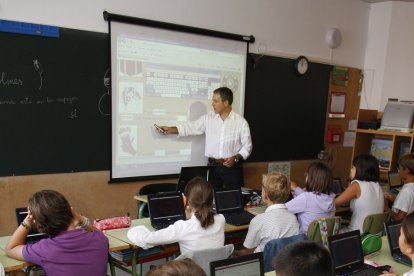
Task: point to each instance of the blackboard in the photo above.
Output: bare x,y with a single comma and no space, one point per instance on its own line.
286,112
54,103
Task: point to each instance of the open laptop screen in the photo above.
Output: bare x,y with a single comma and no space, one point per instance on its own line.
346,251
163,207
188,173
228,200
394,179
393,233
33,235
251,265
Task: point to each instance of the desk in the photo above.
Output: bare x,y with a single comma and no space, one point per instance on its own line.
11,264
383,257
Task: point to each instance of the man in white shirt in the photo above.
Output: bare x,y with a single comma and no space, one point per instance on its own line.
228,139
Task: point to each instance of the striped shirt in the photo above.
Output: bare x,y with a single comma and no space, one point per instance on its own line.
275,222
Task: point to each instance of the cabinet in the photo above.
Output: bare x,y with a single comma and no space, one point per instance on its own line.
397,140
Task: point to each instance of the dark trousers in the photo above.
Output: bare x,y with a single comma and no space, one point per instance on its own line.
224,177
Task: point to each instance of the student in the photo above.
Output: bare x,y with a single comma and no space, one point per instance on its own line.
304,258
185,267
317,201
228,141
276,221
70,249
404,203
364,193
406,241
202,230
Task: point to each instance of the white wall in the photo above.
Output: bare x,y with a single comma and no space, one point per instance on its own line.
281,27
389,60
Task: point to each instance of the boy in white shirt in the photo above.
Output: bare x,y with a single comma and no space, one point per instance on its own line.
276,221
404,202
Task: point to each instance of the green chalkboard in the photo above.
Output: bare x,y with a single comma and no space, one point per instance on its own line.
54,103
286,112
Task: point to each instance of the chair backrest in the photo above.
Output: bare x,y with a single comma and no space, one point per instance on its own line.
272,247
374,223
205,256
326,226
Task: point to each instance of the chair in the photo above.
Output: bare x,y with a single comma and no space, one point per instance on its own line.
328,226
272,247
205,256
152,189
374,223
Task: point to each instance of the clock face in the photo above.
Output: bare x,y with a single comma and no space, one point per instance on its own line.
301,65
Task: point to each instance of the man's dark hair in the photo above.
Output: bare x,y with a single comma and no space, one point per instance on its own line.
225,93
304,258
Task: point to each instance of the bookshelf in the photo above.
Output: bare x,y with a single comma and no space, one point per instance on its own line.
396,143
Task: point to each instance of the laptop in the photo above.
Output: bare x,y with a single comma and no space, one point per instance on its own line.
229,202
392,228
33,236
346,252
337,188
251,265
394,180
165,209
188,173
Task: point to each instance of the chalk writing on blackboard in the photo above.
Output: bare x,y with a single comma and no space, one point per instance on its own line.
106,95
9,80
39,69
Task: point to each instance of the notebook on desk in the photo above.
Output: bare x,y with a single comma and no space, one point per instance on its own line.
347,256
251,264
188,173
33,236
392,228
165,209
229,202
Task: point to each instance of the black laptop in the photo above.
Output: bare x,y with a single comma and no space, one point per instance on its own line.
165,209
251,265
188,173
346,252
229,202
392,228
33,236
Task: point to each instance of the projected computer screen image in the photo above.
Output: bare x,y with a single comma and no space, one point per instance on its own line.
166,78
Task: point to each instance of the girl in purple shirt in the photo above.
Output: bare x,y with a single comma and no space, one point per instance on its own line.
73,246
317,199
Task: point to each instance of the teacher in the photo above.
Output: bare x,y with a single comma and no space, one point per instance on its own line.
228,139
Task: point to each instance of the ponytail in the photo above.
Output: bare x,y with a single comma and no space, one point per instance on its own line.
199,194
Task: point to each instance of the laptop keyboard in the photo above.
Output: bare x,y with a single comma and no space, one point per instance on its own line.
367,271
238,218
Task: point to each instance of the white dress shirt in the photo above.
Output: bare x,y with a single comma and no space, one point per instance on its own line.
223,138
188,233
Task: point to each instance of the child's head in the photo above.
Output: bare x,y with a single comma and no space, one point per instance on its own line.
407,162
319,178
304,258
185,267
365,168
51,212
199,194
406,240
276,186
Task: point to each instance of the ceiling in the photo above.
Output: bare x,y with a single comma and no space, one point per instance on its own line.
376,1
